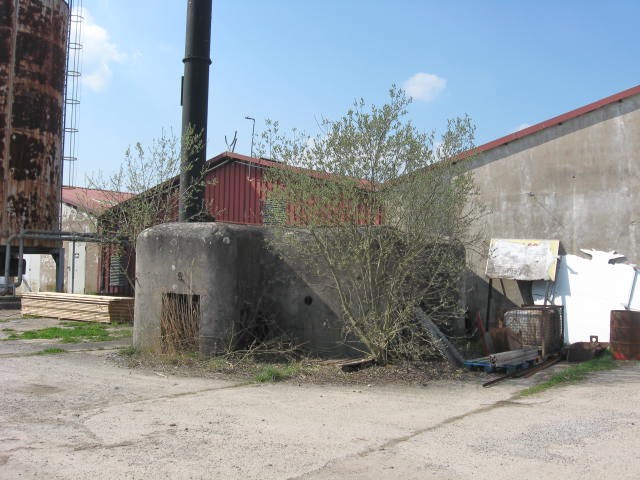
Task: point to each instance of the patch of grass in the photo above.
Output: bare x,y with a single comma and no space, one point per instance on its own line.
573,374
121,324
8,330
241,366
274,373
50,351
182,358
86,331
122,333
218,364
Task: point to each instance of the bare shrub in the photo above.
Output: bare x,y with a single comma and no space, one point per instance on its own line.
179,323
388,212
151,176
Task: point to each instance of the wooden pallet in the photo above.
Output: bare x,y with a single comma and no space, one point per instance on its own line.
85,308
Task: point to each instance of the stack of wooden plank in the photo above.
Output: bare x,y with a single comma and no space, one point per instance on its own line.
88,308
514,357
510,361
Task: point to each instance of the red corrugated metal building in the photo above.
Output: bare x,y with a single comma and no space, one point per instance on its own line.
235,193
236,190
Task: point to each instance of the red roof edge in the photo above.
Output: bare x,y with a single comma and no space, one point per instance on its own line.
558,120
617,97
263,162
243,158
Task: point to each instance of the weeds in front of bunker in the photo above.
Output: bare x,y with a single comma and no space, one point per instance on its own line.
276,373
128,351
253,368
50,351
74,332
573,374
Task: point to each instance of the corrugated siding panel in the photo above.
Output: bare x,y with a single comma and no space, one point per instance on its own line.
106,285
234,194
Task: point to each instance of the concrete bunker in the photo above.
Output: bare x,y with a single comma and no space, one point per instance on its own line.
234,288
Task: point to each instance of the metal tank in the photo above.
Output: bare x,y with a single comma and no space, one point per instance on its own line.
536,325
33,39
624,337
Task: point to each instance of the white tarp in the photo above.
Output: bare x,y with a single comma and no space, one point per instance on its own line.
589,288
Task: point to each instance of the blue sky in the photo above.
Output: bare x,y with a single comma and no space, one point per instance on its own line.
507,64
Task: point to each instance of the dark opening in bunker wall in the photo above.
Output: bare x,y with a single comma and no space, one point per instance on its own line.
180,322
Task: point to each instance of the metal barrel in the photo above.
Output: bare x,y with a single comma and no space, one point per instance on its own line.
624,336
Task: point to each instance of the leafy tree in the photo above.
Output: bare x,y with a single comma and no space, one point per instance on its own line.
151,176
387,214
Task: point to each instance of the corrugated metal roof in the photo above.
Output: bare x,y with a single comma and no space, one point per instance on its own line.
92,200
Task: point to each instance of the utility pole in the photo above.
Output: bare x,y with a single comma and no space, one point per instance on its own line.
195,97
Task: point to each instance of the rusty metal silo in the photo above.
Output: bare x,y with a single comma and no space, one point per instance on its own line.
33,39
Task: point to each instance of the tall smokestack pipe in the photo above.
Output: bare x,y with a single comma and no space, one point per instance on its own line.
195,97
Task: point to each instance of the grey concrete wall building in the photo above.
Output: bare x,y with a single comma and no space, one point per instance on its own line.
574,178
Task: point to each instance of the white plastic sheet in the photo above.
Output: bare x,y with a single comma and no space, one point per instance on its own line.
589,288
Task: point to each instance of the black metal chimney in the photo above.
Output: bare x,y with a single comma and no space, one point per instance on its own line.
195,97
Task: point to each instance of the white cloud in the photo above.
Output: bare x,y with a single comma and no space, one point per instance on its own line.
98,54
522,126
424,86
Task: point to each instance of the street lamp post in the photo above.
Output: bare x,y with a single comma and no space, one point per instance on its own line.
253,129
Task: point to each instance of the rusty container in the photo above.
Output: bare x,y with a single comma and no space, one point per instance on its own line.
33,40
624,337
536,326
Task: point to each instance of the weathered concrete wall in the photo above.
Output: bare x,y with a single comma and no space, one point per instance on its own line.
577,182
86,262
86,265
235,275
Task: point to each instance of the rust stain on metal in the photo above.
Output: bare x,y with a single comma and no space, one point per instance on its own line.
583,351
33,36
536,325
624,338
